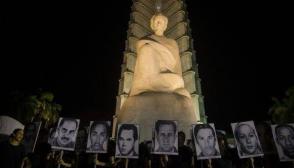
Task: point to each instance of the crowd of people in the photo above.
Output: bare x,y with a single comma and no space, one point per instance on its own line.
13,153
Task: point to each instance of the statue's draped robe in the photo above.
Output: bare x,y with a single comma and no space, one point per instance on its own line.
158,67
157,91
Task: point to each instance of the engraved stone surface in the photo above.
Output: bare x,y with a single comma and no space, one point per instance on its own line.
130,61
127,82
195,100
183,43
138,30
172,9
132,44
123,69
186,60
189,80
175,19
177,31
139,7
166,4
199,90
146,108
141,20
148,3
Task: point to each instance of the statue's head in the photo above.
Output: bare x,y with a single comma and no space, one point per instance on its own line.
158,24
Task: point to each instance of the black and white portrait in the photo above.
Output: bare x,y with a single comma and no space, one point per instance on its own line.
66,134
247,140
165,139
284,139
98,136
205,141
127,140
31,132
52,135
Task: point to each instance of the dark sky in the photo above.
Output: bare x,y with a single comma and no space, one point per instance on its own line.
243,56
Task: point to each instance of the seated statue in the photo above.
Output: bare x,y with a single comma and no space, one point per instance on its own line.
158,65
158,91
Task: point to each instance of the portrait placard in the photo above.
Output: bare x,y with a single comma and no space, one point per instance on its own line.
247,141
31,132
205,141
127,141
98,136
283,135
52,135
65,134
165,137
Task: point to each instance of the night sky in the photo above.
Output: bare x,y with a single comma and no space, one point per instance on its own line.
243,56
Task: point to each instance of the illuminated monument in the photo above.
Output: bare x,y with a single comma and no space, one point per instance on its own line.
159,79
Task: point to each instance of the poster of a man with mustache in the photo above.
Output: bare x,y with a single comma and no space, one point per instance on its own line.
66,134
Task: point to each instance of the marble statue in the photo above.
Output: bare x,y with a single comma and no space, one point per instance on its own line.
157,91
158,65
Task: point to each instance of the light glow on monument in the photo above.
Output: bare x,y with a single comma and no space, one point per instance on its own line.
159,80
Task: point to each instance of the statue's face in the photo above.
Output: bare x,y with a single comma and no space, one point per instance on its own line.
159,25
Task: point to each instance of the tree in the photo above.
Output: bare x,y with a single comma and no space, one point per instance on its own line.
35,107
282,111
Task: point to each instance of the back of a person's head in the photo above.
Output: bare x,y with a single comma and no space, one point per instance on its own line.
143,148
182,134
43,148
111,146
220,134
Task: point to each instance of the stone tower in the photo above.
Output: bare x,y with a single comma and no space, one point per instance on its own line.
179,30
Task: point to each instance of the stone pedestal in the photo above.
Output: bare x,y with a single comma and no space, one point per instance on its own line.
146,108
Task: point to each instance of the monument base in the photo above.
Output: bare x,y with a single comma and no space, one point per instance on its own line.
146,108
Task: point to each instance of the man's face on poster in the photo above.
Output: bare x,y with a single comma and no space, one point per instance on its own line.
206,141
166,137
66,132
285,138
126,141
98,136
